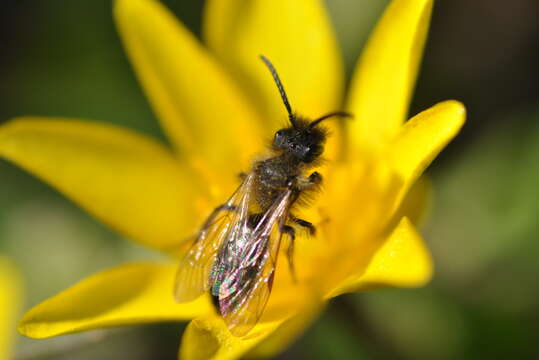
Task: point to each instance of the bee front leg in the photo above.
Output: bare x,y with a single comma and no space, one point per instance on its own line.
310,182
289,230
315,178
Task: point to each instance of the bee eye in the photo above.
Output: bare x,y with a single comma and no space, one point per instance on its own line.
312,153
279,138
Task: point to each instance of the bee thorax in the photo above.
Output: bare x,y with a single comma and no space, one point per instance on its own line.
272,176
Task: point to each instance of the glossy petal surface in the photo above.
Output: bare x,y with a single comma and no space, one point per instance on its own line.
386,72
127,180
198,105
358,203
401,261
296,36
422,138
128,294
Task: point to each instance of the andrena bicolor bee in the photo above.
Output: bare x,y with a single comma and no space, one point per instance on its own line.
233,256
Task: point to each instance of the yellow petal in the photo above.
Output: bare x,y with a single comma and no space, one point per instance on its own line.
127,180
363,192
285,334
209,338
402,261
296,36
128,294
358,202
10,301
291,308
422,138
219,25
386,72
416,204
199,106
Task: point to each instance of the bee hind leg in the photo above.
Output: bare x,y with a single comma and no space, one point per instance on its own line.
305,224
289,230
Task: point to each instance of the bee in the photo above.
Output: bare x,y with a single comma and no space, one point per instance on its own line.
234,254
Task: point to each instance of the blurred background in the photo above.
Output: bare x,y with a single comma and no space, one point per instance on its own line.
64,58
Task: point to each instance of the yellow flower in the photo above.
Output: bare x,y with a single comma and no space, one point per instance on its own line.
217,105
10,301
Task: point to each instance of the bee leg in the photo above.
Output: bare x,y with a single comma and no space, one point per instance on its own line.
242,175
289,230
214,213
215,302
313,180
304,223
254,219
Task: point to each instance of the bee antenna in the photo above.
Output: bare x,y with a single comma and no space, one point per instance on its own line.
279,84
327,116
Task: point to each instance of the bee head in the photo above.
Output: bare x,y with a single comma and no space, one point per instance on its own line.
304,142
303,139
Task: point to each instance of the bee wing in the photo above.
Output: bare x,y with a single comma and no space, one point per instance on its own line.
246,287
192,277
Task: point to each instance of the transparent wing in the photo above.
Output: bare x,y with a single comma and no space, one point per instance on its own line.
193,276
246,286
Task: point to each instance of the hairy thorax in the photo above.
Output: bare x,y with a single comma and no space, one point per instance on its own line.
272,177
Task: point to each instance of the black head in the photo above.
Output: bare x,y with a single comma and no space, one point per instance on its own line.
304,142
303,139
